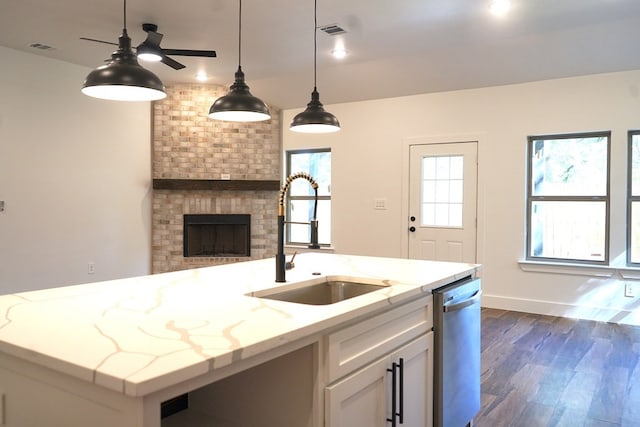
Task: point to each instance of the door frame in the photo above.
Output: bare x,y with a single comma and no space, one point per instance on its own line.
404,211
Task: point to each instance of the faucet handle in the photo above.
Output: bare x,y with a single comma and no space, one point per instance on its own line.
289,264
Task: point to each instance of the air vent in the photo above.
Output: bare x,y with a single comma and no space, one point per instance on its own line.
41,46
333,29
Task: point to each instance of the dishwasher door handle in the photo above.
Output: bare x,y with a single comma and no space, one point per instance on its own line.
463,304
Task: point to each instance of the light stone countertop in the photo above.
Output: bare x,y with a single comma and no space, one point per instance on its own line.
139,335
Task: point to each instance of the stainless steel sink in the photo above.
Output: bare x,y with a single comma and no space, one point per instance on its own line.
319,293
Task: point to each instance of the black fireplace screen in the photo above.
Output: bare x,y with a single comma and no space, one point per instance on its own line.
215,235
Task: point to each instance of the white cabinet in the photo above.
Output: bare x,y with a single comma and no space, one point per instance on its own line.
365,397
370,353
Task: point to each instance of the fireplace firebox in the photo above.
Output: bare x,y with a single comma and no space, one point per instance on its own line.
217,235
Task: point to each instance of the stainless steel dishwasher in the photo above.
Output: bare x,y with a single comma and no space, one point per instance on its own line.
457,353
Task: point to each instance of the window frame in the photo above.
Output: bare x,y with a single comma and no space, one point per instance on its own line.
531,199
630,197
289,197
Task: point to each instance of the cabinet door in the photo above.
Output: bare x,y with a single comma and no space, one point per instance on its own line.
417,393
364,398
361,399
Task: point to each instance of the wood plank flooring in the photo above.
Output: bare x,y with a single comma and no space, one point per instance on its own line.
542,371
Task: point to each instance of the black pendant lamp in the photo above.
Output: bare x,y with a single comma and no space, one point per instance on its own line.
314,119
239,105
123,79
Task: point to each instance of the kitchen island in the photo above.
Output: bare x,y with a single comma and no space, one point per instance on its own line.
111,353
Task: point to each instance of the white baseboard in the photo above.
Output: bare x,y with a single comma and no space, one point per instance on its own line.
602,314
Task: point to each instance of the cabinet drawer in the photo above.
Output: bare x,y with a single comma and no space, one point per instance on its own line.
352,347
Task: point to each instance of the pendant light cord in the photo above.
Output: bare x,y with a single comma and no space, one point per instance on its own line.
240,35
125,15
315,42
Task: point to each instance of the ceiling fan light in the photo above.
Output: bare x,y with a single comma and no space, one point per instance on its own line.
123,79
314,119
146,52
149,56
239,105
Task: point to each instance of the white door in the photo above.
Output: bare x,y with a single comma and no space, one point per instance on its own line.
442,201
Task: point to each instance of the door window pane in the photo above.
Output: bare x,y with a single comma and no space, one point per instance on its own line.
442,191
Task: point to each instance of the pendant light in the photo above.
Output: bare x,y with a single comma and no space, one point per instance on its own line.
239,105
315,119
123,79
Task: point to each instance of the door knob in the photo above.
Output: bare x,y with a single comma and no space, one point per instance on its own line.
412,229
412,218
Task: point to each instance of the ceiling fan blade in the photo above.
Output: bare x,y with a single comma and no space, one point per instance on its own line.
190,52
171,63
154,38
98,41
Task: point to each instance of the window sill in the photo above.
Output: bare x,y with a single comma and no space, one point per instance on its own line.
306,248
602,271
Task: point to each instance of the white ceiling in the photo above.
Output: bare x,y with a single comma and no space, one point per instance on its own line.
396,47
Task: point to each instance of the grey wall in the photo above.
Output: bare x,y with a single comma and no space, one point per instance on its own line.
74,175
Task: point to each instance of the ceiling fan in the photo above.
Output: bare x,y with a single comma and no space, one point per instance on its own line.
150,50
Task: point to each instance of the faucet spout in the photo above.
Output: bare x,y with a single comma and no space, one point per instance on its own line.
280,257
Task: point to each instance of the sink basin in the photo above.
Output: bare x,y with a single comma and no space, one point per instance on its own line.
323,292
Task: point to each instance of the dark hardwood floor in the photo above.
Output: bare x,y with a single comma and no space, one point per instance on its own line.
552,371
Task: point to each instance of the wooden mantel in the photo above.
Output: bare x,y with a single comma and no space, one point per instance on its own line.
215,184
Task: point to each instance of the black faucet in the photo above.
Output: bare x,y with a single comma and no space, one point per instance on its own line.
281,266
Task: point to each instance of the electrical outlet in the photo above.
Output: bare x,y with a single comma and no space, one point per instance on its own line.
631,289
225,176
91,268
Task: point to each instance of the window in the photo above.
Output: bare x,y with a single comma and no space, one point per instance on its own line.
442,183
299,201
633,200
568,197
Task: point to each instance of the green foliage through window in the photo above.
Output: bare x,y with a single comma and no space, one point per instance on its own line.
568,197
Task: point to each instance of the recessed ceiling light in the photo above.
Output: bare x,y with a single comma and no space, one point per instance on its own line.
202,76
339,52
500,7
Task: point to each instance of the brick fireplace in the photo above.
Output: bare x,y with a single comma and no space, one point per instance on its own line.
207,167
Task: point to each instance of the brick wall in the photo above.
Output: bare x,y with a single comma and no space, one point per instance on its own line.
187,144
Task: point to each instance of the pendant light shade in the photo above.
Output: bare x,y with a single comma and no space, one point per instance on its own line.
314,119
239,105
123,79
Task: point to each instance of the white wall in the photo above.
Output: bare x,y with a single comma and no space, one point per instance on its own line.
74,175
368,163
